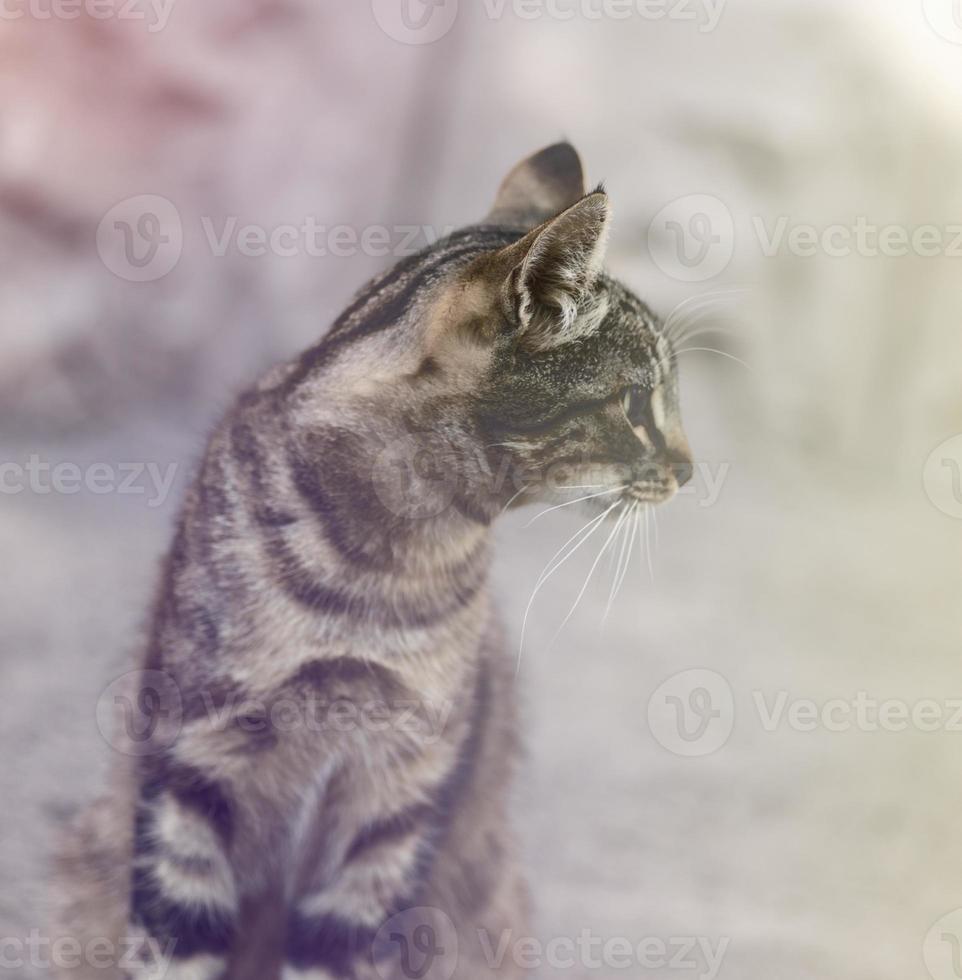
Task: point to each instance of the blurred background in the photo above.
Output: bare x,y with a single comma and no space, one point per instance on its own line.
190,191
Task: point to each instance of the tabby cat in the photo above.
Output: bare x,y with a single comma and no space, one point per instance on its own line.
331,560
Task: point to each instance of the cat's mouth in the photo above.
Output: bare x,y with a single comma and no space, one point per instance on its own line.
652,491
658,484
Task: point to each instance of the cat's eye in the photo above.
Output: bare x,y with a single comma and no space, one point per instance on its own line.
635,401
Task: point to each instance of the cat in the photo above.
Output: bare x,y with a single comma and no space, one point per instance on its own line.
332,559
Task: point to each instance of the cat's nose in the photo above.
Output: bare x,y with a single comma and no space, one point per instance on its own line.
681,466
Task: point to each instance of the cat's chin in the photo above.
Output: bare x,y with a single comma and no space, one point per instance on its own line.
652,493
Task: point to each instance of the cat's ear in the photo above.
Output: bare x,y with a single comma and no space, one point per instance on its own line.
539,187
551,272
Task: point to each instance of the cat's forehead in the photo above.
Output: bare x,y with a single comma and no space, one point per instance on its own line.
626,345
629,323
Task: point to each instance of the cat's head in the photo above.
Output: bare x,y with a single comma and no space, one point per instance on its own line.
502,365
574,389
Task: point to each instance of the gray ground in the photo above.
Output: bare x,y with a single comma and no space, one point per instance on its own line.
821,571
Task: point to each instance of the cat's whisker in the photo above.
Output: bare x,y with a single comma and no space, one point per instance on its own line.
707,332
577,500
550,567
714,350
700,325
693,317
711,350
615,553
700,298
701,309
692,313
554,565
591,572
624,557
614,561
704,322
636,519
720,299
698,315
710,294
515,496
647,543
611,560
636,524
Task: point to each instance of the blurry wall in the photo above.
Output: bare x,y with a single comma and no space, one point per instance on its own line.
267,113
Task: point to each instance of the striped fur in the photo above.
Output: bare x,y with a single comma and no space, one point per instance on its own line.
347,735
